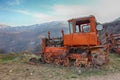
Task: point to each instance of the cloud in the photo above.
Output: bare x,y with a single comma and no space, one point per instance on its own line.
23,12
108,10
69,11
14,2
40,17
45,17
104,10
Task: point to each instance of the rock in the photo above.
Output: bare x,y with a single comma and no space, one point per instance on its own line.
50,76
31,73
79,71
27,69
10,71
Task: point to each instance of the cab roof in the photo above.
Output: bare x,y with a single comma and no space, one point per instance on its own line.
82,18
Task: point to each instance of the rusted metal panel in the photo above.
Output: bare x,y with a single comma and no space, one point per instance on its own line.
80,39
55,50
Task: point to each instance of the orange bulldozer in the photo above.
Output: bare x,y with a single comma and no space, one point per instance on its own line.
80,48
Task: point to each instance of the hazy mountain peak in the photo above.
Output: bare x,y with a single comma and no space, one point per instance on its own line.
3,26
118,19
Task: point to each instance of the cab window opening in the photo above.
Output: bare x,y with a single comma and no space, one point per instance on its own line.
83,26
71,27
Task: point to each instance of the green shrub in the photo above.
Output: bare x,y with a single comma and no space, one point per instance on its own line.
7,58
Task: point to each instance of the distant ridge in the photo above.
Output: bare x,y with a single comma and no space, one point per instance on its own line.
19,39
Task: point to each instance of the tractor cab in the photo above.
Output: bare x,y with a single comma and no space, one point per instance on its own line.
83,32
80,25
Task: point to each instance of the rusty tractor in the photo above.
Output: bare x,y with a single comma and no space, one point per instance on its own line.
81,47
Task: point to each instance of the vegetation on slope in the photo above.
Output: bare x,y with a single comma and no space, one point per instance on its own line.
114,65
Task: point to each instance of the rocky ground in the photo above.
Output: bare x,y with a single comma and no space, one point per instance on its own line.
20,70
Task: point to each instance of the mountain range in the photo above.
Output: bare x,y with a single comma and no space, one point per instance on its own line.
28,38
23,38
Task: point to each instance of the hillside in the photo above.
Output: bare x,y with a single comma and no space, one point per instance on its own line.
24,38
112,27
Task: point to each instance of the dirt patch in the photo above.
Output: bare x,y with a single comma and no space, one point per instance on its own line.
14,67
23,71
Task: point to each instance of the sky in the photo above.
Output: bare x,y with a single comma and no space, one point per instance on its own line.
28,12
